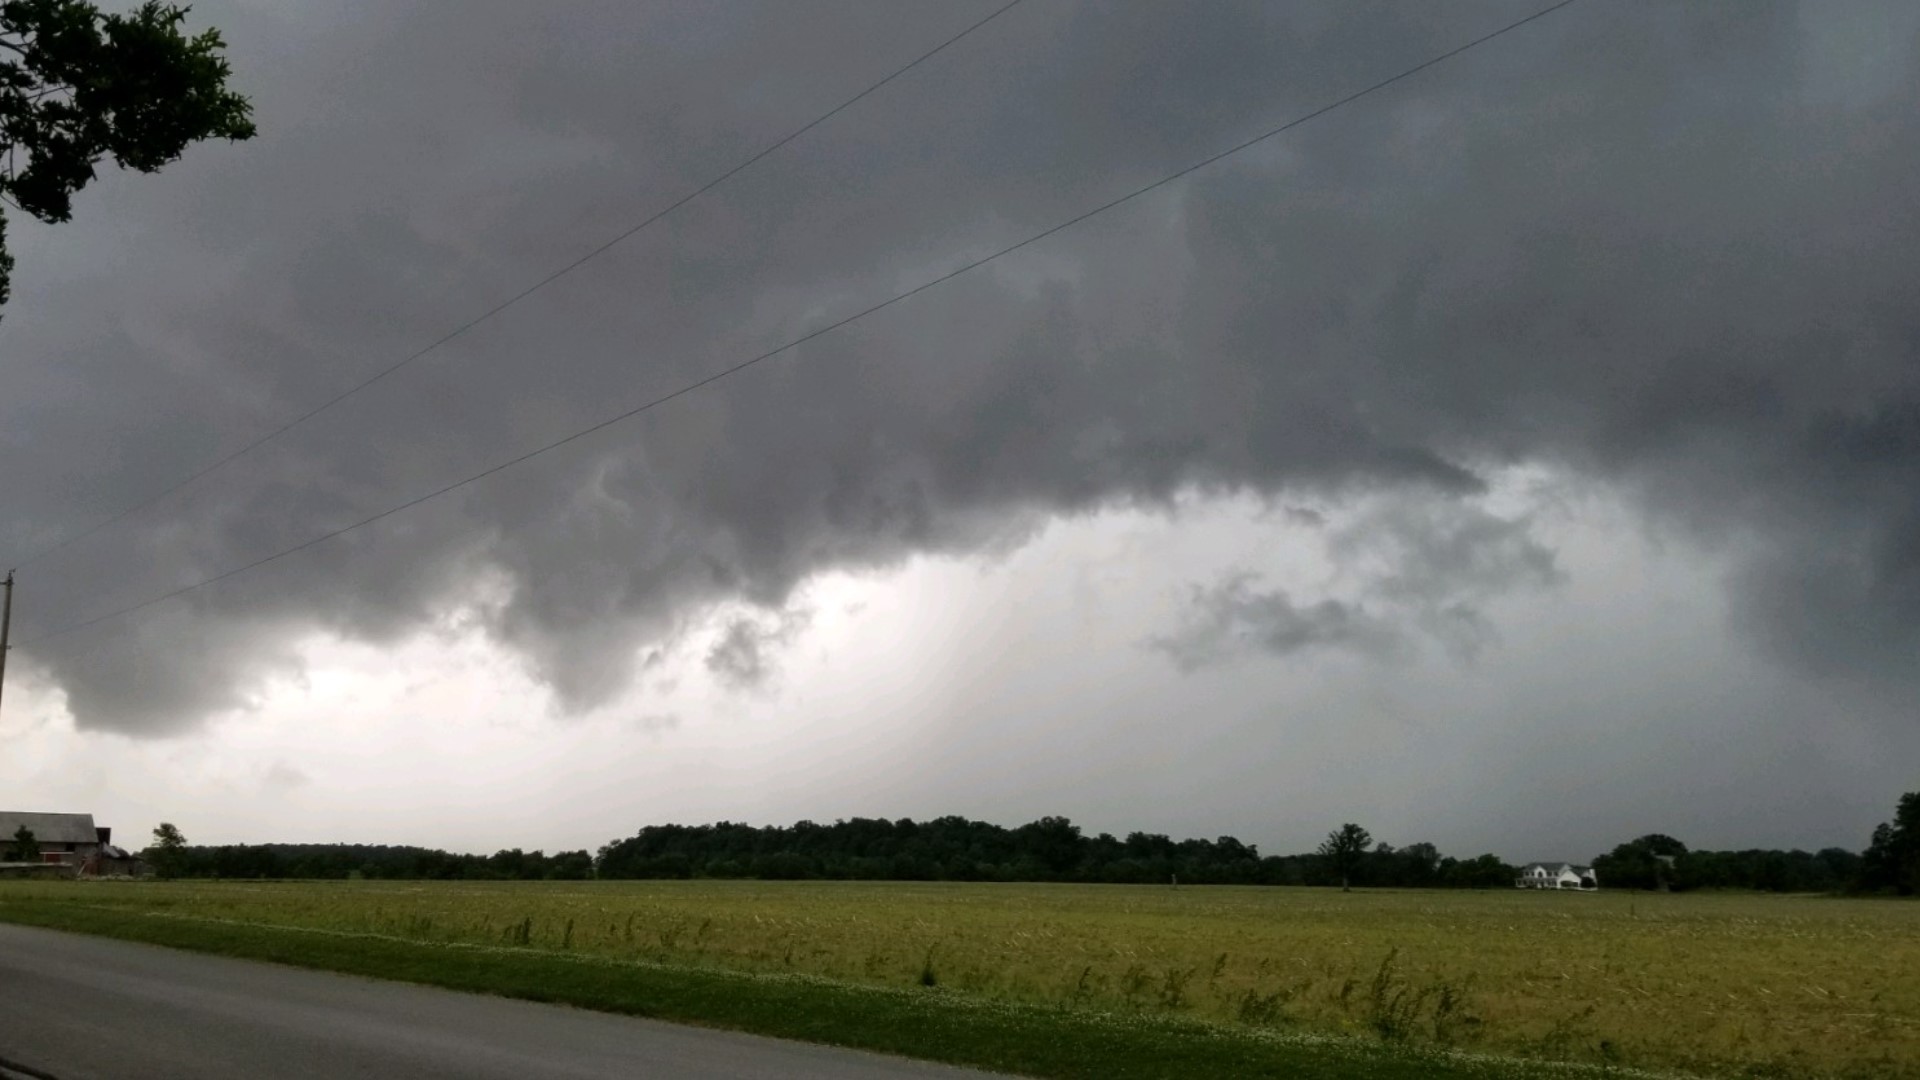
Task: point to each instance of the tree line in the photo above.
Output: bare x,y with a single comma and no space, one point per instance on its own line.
944,849
1890,864
1053,849
340,862
1660,862
1050,849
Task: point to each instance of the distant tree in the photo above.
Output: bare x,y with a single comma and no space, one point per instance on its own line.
168,853
25,847
77,86
1343,850
1839,868
1654,861
1892,860
779,866
1053,842
1486,872
1416,866
1660,844
512,864
571,866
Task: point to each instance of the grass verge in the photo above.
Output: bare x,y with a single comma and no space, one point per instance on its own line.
934,1025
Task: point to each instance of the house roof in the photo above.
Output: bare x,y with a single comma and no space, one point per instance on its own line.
49,828
1557,867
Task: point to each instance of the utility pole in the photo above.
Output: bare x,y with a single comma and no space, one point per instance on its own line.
6,629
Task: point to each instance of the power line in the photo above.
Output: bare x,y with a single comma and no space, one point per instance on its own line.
809,336
556,275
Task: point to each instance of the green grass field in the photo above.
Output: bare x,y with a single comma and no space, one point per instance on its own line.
1711,984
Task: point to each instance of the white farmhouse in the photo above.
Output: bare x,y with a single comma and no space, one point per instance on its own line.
1556,876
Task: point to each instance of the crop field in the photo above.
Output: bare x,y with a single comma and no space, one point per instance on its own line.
1708,984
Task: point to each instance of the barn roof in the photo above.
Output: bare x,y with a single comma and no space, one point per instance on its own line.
49,828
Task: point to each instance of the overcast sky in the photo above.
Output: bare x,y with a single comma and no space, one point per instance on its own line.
1522,458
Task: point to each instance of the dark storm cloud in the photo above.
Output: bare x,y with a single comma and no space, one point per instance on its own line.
1440,563
743,658
1427,565
1435,554
1231,619
1665,248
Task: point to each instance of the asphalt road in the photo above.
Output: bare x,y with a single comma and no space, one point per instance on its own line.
81,1008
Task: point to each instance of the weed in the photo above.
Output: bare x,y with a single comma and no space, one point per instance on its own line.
1344,996
1393,1006
1259,1009
1450,1016
1083,986
1566,1034
1173,987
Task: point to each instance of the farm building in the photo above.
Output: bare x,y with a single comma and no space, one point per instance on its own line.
112,862
63,839
1556,876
